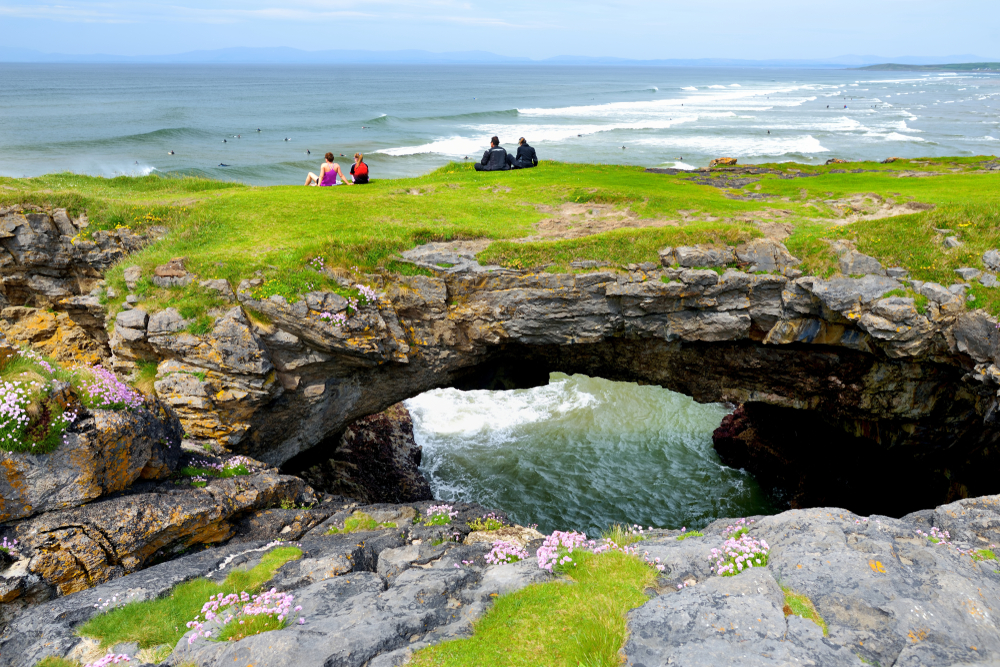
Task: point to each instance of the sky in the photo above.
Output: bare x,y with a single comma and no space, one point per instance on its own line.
641,29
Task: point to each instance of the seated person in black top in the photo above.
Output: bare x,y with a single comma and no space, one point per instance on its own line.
359,170
495,159
526,157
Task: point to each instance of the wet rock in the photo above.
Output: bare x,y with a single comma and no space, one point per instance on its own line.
101,454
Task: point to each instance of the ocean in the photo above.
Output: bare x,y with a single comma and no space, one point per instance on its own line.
255,123
582,453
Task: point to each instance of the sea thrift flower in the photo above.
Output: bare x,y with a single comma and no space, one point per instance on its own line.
505,552
107,392
368,295
739,553
109,659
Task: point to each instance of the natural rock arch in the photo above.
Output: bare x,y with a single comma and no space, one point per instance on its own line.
837,377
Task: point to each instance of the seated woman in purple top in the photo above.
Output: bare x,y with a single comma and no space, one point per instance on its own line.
328,174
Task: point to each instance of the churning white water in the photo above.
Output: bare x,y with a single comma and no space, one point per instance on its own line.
582,453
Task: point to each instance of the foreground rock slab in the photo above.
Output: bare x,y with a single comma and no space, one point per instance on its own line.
888,594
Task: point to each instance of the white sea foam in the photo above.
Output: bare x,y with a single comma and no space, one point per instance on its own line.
492,414
454,146
739,146
896,136
689,88
717,87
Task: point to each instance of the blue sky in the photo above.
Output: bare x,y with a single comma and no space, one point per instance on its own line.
535,28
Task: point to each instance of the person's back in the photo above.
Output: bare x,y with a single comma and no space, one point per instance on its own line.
359,170
494,159
526,156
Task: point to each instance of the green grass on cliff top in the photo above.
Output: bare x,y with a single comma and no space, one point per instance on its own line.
232,231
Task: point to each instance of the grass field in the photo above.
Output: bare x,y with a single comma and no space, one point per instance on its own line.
541,218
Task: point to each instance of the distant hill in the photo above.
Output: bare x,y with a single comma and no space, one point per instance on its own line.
957,67
289,56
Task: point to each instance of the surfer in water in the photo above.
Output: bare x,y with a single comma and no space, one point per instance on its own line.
328,174
170,152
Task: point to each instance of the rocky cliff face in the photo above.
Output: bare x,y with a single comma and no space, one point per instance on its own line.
847,355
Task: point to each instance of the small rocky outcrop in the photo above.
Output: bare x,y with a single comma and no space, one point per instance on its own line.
723,162
101,454
376,461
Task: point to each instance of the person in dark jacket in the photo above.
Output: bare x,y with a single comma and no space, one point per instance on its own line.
526,157
495,159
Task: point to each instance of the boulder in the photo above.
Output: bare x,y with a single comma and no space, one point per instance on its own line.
132,319
952,242
897,272
991,259
885,569
723,162
854,263
836,160
968,273
132,275
765,255
703,255
172,274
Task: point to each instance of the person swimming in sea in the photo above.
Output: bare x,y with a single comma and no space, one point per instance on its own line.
328,174
170,152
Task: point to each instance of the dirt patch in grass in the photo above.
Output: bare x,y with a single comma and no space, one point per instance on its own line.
776,231
574,220
872,206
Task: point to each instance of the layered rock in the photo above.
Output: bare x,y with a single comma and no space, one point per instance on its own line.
101,453
62,552
44,259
